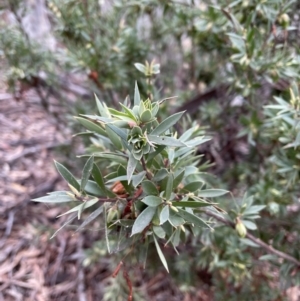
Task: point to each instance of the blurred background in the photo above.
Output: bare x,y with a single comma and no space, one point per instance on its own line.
227,63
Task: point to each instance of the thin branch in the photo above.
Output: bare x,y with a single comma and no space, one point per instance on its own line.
108,200
148,175
256,240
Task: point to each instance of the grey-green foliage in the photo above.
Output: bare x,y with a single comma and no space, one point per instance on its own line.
250,46
152,186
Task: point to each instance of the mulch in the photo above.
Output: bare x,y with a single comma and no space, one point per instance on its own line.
33,266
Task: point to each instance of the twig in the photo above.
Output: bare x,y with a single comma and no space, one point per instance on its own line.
256,240
108,200
145,168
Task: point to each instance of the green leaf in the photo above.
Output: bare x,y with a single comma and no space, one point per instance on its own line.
92,188
69,220
120,132
78,208
143,220
91,126
152,201
143,252
178,178
191,204
176,220
197,141
114,157
160,175
269,257
129,112
169,187
137,179
212,193
140,67
86,173
90,218
193,186
167,124
96,173
189,217
102,108
249,242
132,163
160,254
164,215
105,227
146,116
58,198
114,138
137,97
253,209
149,188
67,175
250,225
168,141
159,231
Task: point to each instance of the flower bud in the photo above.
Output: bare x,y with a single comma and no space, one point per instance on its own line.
284,20
240,228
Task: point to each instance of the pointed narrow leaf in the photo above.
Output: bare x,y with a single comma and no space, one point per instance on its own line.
105,226
253,209
90,218
193,186
120,132
58,198
79,207
86,173
159,231
160,175
250,225
191,204
137,179
137,97
197,141
160,254
168,141
114,157
149,188
67,175
91,126
69,220
178,179
164,215
114,138
140,67
189,217
96,173
212,193
132,163
169,187
167,124
143,220
128,112
102,108
143,252
152,201
175,220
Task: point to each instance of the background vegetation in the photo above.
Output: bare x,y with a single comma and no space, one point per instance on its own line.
234,66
